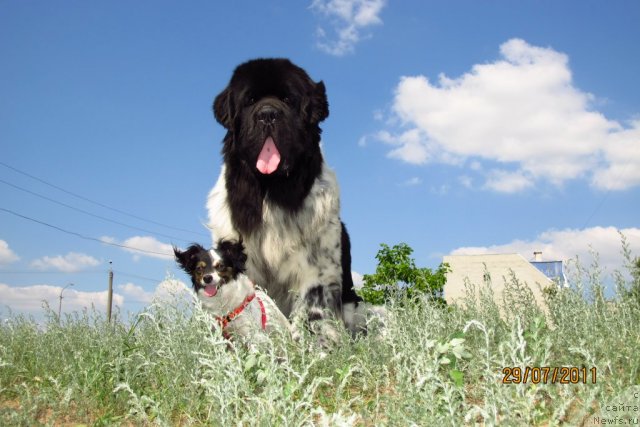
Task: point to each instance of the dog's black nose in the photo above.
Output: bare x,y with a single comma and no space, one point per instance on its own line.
207,279
267,114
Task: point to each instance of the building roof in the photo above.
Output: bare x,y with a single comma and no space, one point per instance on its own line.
499,267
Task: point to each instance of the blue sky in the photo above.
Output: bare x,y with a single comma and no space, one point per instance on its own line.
456,127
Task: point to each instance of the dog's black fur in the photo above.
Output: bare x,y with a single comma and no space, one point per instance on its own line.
259,88
275,98
198,263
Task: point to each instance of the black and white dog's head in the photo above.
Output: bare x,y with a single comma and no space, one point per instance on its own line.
271,109
215,273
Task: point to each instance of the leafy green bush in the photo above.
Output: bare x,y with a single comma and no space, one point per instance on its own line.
397,276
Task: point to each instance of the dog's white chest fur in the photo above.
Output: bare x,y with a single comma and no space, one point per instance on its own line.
260,314
289,252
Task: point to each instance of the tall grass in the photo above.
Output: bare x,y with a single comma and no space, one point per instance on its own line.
430,366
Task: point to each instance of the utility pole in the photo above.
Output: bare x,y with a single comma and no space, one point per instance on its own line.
110,294
60,303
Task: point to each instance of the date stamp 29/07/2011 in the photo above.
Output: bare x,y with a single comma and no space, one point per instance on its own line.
549,375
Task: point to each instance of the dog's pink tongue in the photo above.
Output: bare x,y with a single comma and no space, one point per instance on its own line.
269,157
210,290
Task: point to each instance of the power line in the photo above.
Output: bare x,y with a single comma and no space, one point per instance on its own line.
73,233
596,209
617,173
135,276
73,273
89,213
98,203
51,272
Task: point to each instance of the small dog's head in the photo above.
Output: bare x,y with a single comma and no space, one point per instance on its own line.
210,269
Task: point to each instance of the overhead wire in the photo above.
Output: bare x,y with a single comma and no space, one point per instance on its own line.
73,233
89,213
90,238
33,193
79,235
102,205
618,173
83,272
3,271
135,276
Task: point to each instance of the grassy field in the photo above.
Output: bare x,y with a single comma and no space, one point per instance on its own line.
432,366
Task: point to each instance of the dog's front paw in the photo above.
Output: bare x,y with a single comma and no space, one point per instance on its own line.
363,318
326,333
296,335
320,308
323,332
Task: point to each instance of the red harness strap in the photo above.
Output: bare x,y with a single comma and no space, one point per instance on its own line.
225,320
263,319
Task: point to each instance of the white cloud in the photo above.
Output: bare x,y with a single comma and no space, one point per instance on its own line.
68,263
410,146
29,299
167,290
412,182
358,280
440,190
143,246
475,166
507,182
7,256
348,18
622,155
136,293
466,181
522,112
564,245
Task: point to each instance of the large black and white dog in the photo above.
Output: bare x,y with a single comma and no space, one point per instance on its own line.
276,193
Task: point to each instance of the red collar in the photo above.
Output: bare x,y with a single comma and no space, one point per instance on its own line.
225,320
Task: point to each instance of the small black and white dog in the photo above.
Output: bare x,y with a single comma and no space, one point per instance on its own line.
218,280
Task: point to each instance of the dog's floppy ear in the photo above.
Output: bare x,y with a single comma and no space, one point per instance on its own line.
318,108
232,253
181,258
223,108
185,259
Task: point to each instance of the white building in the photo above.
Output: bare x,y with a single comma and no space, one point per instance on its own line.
499,268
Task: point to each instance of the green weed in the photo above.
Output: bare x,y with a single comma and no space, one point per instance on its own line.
433,365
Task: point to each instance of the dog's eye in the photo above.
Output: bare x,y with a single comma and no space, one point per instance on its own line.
251,101
220,267
286,100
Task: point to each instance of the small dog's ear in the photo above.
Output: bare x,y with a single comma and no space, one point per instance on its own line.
223,108
181,257
184,259
232,253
